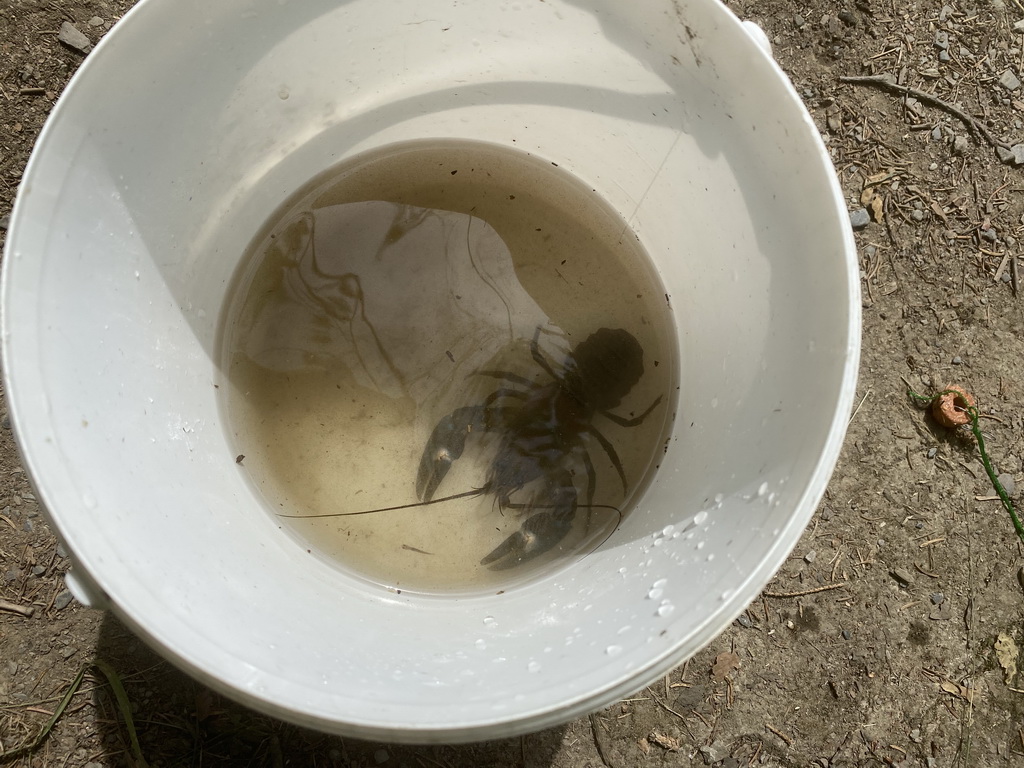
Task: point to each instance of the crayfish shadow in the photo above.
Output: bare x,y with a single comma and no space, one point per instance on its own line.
180,722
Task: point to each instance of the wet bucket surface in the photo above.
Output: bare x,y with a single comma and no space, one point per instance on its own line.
133,215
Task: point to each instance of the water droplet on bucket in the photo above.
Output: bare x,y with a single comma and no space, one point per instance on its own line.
533,666
480,644
613,650
714,402
762,489
700,517
490,622
700,545
667,530
655,593
625,629
283,93
665,609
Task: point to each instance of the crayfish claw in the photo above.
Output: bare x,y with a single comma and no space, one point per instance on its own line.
446,444
538,534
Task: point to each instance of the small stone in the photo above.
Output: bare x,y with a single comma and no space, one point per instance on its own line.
848,17
38,570
1011,241
915,735
811,556
933,167
68,652
1006,155
937,133
919,525
73,37
62,600
96,21
5,421
937,598
943,612
903,576
847,634
860,218
932,452
744,620
380,756
942,39
61,549
12,575
28,526
960,145
917,215
1009,484
799,20
1018,153
957,360
1009,81
715,752
990,234
944,56
826,514
5,222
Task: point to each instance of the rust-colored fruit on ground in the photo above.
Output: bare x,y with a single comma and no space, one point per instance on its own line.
950,407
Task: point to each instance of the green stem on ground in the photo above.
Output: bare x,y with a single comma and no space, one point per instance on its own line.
972,414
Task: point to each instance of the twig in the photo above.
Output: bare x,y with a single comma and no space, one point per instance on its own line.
886,83
21,610
857,409
780,734
597,741
826,588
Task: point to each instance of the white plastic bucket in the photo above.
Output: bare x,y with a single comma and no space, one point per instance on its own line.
183,132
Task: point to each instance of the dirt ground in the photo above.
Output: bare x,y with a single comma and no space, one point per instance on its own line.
889,636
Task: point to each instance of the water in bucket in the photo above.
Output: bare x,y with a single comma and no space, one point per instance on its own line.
454,323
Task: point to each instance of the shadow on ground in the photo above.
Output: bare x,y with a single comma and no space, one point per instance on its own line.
182,723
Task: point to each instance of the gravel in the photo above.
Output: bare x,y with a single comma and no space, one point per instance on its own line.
73,37
860,218
1009,81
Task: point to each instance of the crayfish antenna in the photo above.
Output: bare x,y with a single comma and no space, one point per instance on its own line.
412,505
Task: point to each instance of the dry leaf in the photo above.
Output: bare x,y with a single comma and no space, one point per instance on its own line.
644,744
1006,655
876,209
725,662
665,742
967,694
939,211
866,194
